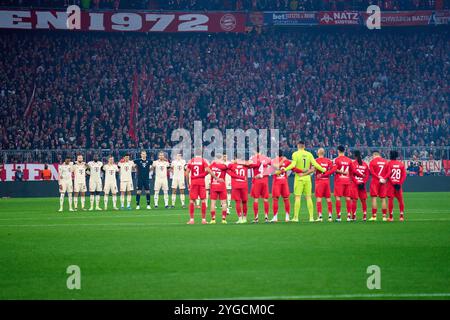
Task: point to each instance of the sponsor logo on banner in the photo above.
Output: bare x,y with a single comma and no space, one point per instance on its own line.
126,21
228,22
339,17
413,18
292,18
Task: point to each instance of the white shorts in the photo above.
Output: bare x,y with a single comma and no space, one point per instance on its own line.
228,182
161,184
66,186
110,187
79,187
95,185
178,182
126,186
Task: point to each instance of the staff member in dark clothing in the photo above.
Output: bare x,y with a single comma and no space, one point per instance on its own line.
143,166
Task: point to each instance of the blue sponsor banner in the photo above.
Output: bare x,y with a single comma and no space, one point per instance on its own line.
290,18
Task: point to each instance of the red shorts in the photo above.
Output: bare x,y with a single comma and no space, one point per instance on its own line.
197,191
362,194
239,194
378,189
343,190
391,192
260,190
323,190
217,194
280,189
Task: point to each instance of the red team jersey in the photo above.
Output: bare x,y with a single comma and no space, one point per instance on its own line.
260,166
396,175
364,173
218,190
197,167
378,168
322,186
280,186
342,182
239,186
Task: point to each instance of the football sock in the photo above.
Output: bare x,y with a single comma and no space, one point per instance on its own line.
97,200
83,200
297,204
122,200
255,208
91,200
61,200
128,200
182,197
70,200
266,208
330,208
238,208
391,206
338,208
138,198
224,214
114,200
174,198
287,205
105,201
191,210
275,206
203,210
147,196
319,208
244,208
166,199
310,206
374,212
156,198
213,214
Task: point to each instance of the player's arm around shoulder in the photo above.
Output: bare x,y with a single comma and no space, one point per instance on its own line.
315,163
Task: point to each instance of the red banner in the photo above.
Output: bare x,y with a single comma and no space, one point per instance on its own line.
125,21
413,18
31,171
339,18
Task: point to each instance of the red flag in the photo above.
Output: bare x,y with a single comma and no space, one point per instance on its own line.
133,108
30,104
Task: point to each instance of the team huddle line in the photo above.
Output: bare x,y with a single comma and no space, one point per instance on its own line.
224,181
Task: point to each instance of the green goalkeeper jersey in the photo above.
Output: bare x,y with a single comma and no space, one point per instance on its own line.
303,160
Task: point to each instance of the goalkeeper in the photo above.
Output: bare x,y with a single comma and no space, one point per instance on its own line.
301,165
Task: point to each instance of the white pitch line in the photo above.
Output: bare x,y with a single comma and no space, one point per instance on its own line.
342,296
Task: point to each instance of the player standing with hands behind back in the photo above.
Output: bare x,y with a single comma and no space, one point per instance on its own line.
395,176
143,178
126,181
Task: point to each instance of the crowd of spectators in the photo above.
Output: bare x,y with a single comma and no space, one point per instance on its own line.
358,88
280,5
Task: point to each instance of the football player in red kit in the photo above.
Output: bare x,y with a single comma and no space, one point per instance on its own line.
322,185
238,171
280,186
218,190
342,182
395,176
377,169
260,165
198,169
359,183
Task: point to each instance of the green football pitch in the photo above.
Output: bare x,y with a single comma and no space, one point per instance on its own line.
153,254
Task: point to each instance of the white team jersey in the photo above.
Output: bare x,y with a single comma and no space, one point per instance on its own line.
161,169
96,169
80,172
125,170
178,168
65,172
110,172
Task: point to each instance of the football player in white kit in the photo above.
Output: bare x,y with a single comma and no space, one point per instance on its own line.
111,170
95,182
65,183
126,180
79,186
178,169
228,185
160,168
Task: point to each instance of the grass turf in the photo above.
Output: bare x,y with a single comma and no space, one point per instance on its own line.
155,255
